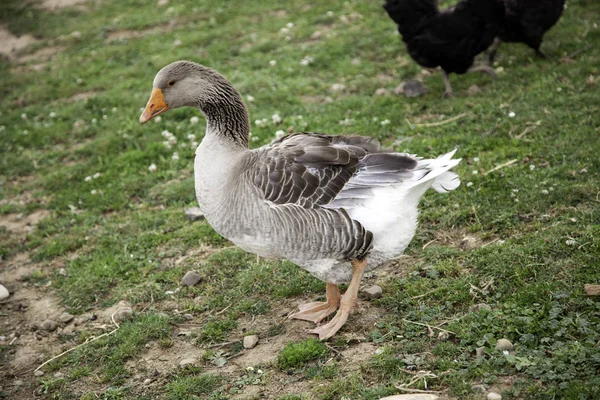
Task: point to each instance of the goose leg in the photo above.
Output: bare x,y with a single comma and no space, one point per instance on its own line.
447,87
346,304
493,51
318,311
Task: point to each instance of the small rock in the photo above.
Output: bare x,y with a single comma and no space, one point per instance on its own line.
373,292
66,317
250,341
39,372
479,388
58,374
413,88
473,89
468,243
504,344
480,351
414,396
62,272
479,307
187,361
188,316
162,3
191,278
443,336
494,396
147,381
382,92
49,325
4,293
177,43
194,214
124,314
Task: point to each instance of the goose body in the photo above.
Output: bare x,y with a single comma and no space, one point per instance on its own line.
334,205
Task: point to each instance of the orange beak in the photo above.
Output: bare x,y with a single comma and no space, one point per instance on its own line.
156,106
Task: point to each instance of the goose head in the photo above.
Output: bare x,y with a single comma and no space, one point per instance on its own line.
187,84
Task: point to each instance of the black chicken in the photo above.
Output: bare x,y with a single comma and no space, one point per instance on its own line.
526,21
451,38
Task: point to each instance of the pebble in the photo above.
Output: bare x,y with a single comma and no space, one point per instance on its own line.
381,92
494,396
39,372
468,243
250,341
49,325
62,272
4,293
187,361
188,316
191,278
373,292
414,396
58,374
66,317
480,351
124,314
443,336
147,381
479,388
473,89
194,214
412,88
504,344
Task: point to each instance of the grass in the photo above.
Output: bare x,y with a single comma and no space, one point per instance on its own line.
120,233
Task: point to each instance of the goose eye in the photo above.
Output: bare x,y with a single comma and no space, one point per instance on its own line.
171,83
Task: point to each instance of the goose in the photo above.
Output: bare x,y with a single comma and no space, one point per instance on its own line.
337,206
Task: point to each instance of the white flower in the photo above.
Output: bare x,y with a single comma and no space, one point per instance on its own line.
329,13
2,128
250,98
338,87
260,371
511,114
23,116
193,145
194,120
152,167
114,109
385,122
375,119
475,172
261,123
276,119
105,116
25,132
570,242
379,351
93,191
499,70
289,25
284,31
175,156
544,191
191,136
249,369
476,159
505,352
157,119
279,134
52,115
531,167
288,38
272,63
94,120
177,43
79,81
255,139
559,89
469,184
306,60
167,144
96,175
515,190
346,122
88,178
